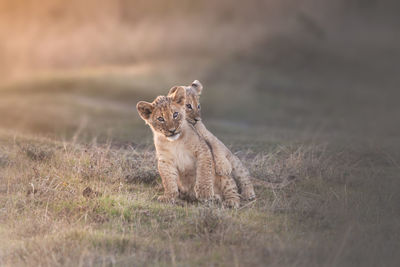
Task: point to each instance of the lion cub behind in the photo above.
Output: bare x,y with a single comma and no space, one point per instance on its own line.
185,162
226,163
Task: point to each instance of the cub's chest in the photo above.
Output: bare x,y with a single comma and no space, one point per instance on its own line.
184,159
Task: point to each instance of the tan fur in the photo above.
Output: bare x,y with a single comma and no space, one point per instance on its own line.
226,163
185,161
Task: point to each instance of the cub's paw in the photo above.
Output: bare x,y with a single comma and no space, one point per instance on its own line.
223,167
204,194
217,199
248,193
232,203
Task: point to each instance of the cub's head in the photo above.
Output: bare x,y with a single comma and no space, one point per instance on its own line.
192,104
166,114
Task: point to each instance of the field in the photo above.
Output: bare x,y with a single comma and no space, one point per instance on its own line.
78,177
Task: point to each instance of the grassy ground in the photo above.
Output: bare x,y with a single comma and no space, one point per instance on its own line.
69,204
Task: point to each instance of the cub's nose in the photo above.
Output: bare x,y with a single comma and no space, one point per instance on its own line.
172,131
197,118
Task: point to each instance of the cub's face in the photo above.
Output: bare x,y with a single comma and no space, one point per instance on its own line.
166,114
192,107
192,103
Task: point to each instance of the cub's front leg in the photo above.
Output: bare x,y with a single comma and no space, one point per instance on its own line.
169,176
223,166
205,174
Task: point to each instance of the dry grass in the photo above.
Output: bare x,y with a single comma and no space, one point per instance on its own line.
68,204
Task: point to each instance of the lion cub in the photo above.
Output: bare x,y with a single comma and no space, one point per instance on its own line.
185,162
226,163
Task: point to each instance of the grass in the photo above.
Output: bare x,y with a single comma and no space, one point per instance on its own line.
325,218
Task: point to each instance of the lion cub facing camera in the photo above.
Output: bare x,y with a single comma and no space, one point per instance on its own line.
185,162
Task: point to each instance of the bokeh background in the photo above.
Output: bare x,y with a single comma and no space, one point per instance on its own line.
308,88
276,70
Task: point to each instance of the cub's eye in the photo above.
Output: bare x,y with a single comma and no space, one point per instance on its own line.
189,106
198,107
160,119
175,115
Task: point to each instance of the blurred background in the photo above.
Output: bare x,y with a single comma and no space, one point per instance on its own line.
273,71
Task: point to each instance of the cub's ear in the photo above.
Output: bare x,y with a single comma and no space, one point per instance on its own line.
197,86
172,90
179,95
145,109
